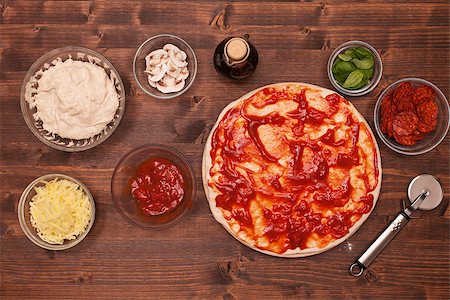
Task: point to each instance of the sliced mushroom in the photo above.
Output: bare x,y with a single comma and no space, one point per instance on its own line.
170,86
183,74
153,71
176,61
167,69
152,83
157,54
165,60
175,73
160,75
179,85
173,70
183,55
172,47
159,65
165,84
154,61
171,65
147,60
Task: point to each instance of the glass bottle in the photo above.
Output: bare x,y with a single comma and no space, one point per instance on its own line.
235,58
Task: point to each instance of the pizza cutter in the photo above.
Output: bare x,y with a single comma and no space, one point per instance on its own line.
424,193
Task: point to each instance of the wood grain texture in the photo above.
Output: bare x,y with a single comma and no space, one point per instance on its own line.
197,258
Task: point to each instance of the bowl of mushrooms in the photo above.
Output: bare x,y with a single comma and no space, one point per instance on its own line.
165,66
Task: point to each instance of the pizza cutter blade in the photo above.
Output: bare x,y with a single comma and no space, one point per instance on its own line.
429,182
424,193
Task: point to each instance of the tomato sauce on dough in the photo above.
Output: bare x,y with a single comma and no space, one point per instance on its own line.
158,186
292,173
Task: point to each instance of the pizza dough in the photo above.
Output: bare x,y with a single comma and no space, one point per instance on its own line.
291,169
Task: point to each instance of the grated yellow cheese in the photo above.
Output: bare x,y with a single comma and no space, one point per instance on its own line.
60,211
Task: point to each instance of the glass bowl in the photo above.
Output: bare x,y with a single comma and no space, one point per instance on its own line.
377,72
128,207
24,213
157,42
55,141
432,139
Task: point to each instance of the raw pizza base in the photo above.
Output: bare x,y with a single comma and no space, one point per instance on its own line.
211,194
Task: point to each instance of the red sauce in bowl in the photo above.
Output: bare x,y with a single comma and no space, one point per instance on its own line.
158,186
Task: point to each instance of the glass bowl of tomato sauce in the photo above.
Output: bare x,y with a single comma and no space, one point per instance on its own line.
153,186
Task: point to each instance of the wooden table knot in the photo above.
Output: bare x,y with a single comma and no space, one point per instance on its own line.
132,91
203,136
305,30
90,10
7,230
371,275
228,296
83,278
219,20
10,231
198,99
3,9
326,45
231,269
100,34
445,211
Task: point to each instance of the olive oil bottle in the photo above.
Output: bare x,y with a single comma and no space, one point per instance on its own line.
235,58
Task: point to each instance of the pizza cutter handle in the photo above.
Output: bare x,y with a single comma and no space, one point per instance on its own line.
358,267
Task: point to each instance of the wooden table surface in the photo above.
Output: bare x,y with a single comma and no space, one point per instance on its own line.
197,258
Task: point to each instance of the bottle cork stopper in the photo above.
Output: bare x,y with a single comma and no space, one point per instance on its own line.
236,49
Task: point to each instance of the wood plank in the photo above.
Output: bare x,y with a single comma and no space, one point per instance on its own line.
312,13
316,37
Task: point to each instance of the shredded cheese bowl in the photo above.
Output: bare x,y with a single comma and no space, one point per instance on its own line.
56,211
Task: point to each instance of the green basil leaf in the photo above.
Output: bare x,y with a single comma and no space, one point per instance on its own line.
333,68
350,51
345,67
363,83
362,52
365,63
345,57
368,73
340,78
353,79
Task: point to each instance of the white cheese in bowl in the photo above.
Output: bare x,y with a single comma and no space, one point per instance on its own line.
60,211
74,99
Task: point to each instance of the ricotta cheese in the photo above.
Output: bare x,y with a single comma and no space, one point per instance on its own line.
74,99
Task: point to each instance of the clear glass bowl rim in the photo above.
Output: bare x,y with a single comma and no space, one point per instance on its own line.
35,239
368,88
24,104
377,123
171,95
182,158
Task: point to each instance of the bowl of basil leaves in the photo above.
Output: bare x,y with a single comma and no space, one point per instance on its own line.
355,68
